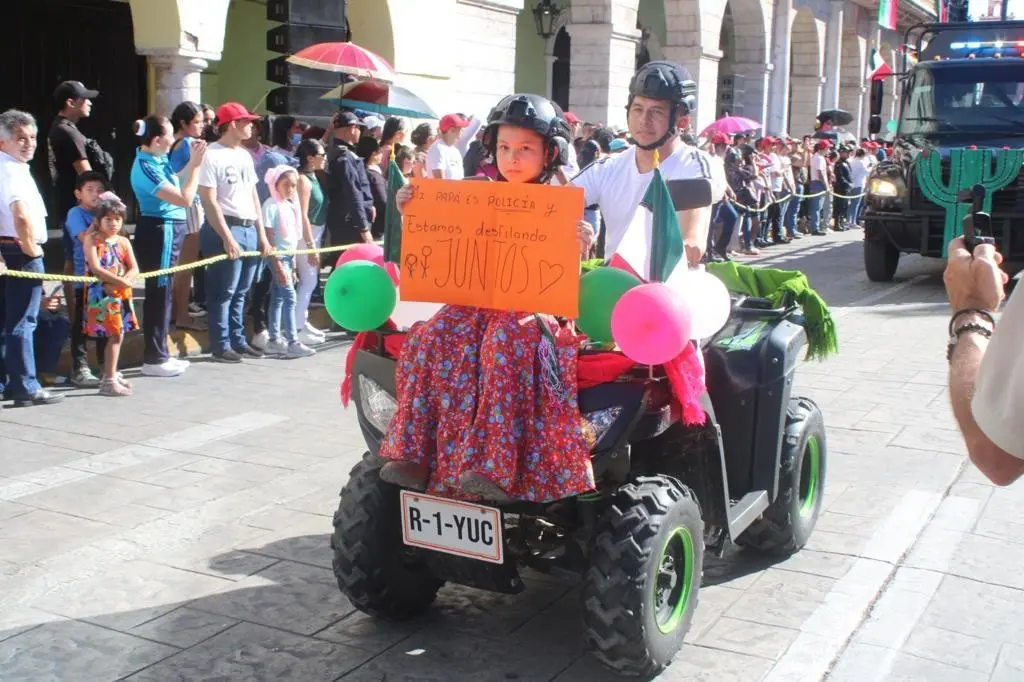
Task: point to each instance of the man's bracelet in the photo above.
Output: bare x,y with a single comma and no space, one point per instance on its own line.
987,314
970,327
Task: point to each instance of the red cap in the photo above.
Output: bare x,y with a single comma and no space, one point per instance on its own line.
233,111
572,118
720,138
822,145
449,121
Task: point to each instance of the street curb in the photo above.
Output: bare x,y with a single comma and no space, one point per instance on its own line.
181,343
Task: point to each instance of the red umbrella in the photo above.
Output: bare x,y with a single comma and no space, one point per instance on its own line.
730,125
346,58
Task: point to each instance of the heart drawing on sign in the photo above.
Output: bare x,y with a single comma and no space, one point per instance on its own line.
550,273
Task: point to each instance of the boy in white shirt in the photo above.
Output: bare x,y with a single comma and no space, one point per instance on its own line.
444,160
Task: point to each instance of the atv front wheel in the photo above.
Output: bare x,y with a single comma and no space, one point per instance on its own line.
880,260
640,591
374,568
787,524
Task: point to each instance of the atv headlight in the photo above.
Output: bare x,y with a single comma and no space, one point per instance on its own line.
376,404
596,424
880,187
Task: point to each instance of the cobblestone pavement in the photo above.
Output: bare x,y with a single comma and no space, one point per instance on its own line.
182,534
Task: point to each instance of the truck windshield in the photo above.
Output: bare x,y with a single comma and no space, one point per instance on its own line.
985,97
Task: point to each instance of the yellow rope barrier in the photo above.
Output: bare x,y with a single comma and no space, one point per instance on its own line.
792,196
47,277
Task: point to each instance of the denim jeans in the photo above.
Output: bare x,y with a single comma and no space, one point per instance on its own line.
725,213
281,311
227,284
19,308
814,204
745,223
792,212
855,204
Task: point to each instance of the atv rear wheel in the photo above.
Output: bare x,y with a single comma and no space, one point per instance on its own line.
787,524
880,260
374,568
640,591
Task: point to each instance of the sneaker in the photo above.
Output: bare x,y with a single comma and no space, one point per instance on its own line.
277,346
113,389
166,369
297,349
119,378
227,356
180,362
260,340
310,339
84,378
313,331
196,310
248,351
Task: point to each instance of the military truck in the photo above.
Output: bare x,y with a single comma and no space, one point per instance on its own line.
965,93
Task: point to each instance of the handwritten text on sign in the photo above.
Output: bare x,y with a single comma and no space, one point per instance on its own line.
493,245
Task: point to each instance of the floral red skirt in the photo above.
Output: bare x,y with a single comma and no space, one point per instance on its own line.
472,396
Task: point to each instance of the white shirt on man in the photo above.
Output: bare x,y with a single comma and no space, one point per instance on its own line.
858,172
445,158
999,387
231,172
17,185
616,185
819,168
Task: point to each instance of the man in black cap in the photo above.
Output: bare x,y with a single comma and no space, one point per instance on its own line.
350,211
66,144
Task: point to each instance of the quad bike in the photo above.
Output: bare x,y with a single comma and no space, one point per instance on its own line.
754,475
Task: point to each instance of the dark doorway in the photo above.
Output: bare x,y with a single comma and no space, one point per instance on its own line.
561,70
92,41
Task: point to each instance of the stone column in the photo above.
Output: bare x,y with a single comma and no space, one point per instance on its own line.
756,81
833,54
777,118
177,79
806,102
549,64
603,62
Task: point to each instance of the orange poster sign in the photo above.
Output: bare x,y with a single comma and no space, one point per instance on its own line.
492,245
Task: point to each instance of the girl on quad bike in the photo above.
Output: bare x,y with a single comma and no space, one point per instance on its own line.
487,401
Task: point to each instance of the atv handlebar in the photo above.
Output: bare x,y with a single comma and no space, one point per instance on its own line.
754,306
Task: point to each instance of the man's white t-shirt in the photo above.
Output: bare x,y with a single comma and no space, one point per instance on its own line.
776,172
231,172
819,168
999,388
858,172
445,158
17,185
617,187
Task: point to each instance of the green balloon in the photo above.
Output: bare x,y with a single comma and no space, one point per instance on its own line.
600,290
360,296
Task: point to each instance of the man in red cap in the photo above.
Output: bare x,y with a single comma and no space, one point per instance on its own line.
444,160
234,223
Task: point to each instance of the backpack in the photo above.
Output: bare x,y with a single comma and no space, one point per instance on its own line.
99,159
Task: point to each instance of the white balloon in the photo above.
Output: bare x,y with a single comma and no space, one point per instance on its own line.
707,296
407,313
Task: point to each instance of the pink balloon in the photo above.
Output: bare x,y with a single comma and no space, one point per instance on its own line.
371,252
651,324
392,269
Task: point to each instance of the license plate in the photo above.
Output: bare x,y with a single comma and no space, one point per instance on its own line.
453,527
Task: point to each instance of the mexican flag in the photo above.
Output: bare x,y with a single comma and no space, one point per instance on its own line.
392,218
887,14
653,244
877,68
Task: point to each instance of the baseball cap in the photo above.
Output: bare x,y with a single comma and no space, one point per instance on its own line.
571,118
73,90
233,111
720,138
344,119
618,144
449,121
371,122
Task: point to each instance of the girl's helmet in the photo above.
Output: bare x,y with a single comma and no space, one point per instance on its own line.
535,113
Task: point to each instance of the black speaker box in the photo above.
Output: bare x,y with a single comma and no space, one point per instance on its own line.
299,101
290,38
312,12
280,71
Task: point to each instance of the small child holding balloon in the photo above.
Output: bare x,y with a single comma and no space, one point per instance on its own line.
282,217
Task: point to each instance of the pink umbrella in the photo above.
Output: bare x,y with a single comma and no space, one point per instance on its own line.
730,125
346,58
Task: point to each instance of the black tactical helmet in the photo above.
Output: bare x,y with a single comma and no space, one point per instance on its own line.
535,113
668,82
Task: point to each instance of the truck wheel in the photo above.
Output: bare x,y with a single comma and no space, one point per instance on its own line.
787,524
880,260
374,568
640,591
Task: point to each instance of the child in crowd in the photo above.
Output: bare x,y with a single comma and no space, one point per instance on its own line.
88,188
109,313
282,219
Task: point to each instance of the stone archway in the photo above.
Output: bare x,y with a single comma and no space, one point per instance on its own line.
691,26
742,72
852,90
805,68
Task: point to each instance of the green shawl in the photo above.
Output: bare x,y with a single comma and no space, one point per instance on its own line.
773,284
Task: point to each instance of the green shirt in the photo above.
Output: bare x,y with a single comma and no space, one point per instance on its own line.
317,204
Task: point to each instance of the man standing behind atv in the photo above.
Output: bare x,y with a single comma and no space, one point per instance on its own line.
661,97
